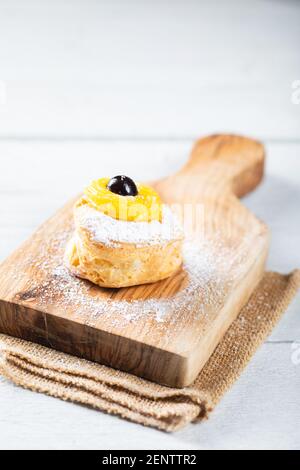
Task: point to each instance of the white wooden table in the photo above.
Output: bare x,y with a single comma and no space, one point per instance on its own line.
125,86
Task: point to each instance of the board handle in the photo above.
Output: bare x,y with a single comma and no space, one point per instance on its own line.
227,161
220,166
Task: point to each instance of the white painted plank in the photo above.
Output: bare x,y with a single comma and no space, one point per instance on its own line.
160,68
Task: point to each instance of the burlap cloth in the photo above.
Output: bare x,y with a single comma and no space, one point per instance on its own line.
69,378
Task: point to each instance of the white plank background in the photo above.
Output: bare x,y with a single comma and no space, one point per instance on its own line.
159,68
124,86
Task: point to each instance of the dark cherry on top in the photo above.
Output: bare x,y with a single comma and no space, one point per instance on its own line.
122,185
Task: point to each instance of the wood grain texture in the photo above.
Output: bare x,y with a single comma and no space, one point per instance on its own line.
171,352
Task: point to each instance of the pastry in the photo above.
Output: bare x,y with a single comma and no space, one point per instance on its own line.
124,235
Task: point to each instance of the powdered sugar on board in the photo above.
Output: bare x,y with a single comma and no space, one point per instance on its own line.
209,268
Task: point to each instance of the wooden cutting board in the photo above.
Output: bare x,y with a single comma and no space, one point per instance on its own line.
165,331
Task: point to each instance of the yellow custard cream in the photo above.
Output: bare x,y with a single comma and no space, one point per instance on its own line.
124,200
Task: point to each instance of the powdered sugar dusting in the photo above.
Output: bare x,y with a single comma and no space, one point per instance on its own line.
206,269
111,232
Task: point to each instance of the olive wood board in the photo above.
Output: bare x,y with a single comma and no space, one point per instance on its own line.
164,332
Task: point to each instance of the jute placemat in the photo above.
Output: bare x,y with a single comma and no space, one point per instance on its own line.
69,378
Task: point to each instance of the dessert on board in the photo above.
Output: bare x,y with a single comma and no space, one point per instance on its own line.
124,236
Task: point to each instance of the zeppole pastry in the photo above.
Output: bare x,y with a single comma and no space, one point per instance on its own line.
124,235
